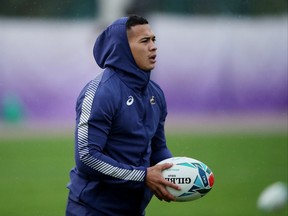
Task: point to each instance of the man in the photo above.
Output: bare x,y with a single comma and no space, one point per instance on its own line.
119,136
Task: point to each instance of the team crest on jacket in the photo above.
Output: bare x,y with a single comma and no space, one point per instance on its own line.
130,101
152,100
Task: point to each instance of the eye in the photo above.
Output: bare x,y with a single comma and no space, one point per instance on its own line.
148,39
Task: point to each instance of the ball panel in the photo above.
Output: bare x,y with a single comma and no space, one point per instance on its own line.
211,179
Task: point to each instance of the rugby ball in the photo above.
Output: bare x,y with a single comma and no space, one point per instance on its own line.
193,176
273,198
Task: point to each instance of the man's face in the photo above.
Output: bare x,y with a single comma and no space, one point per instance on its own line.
142,44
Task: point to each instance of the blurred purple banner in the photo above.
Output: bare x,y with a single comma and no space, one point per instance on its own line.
204,65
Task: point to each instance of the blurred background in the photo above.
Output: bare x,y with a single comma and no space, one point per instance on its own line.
222,65
221,58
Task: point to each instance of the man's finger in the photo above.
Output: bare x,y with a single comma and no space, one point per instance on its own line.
165,166
166,195
172,185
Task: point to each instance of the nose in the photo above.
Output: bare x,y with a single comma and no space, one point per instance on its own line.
153,46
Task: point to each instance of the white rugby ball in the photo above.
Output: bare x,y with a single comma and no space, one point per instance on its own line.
273,198
193,176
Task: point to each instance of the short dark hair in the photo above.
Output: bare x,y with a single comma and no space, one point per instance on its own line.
134,20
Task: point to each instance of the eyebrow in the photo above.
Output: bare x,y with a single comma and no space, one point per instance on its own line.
147,37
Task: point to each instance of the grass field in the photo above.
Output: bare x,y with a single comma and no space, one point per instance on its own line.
34,173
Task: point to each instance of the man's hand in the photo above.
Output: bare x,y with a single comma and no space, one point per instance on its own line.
157,183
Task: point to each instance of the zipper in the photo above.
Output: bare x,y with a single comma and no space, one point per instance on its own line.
145,103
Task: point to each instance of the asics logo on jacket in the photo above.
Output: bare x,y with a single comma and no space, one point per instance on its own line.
130,101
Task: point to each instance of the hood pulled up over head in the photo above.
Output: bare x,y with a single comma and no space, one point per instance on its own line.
112,49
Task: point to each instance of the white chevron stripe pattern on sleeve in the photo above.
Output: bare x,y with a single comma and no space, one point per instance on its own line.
85,157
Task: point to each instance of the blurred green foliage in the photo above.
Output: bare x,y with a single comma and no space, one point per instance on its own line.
48,9
225,7
89,8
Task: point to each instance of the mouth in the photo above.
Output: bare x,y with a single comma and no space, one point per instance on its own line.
152,58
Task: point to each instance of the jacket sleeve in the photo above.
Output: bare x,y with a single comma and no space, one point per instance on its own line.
94,120
159,147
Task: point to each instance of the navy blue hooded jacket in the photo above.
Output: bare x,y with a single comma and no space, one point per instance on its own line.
119,130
